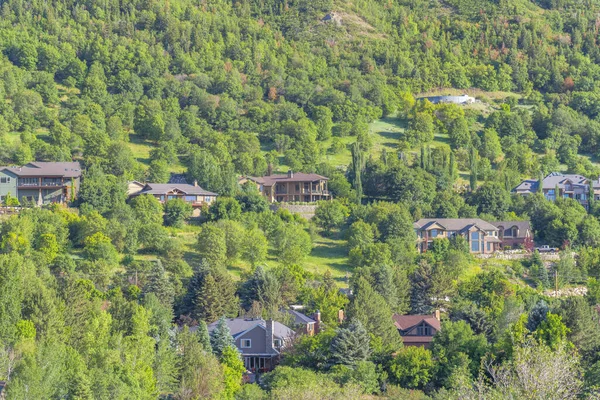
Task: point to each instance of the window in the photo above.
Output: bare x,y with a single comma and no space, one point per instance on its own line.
162,197
475,246
207,199
434,233
246,343
297,187
451,234
4,180
277,343
190,199
424,330
171,197
489,246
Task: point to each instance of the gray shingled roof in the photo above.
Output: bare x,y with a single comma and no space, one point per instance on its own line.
300,318
164,188
238,326
54,169
554,179
522,226
455,224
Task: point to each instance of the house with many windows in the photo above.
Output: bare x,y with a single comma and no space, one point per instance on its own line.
293,186
259,342
514,234
192,194
41,182
418,330
556,185
481,236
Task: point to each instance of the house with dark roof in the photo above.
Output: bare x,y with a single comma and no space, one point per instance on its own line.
556,185
418,330
41,182
192,194
303,323
481,236
514,234
293,186
260,342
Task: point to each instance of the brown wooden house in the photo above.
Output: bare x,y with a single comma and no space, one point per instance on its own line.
418,330
293,186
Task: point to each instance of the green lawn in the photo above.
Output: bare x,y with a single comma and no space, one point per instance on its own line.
329,254
141,152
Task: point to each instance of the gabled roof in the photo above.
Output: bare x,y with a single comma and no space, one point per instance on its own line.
164,188
299,318
454,224
53,169
271,180
522,226
238,326
552,180
406,322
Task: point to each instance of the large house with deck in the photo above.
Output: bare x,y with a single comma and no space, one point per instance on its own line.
192,194
481,236
260,342
41,182
556,185
293,186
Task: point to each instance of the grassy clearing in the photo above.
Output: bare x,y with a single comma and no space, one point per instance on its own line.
141,152
329,254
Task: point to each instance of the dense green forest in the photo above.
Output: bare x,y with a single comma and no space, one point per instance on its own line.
95,299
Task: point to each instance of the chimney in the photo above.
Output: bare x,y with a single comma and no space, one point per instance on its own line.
317,318
195,183
341,316
269,169
290,173
436,315
269,324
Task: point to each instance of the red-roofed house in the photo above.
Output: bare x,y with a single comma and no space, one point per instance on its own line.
293,186
418,330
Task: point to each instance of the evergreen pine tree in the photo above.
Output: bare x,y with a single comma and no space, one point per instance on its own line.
350,345
452,166
220,338
371,309
159,284
203,336
357,166
422,157
420,296
473,166
215,297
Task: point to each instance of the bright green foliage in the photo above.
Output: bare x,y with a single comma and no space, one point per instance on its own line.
212,246
412,367
371,309
233,368
293,244
177,212
552,332
225,208
147,209
363,374
330,215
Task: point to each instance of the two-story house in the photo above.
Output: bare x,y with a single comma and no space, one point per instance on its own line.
41,182
260,342
192,194
418,330
293,186
514,234
481,236
556,185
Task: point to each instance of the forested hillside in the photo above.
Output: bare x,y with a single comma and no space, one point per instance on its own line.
96,298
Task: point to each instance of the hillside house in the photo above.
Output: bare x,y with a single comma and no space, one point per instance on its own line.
260,342
514,234
192,194
293,186
556,185
418,330
41,182
481,236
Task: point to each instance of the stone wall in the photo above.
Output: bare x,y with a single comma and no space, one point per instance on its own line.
305,210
